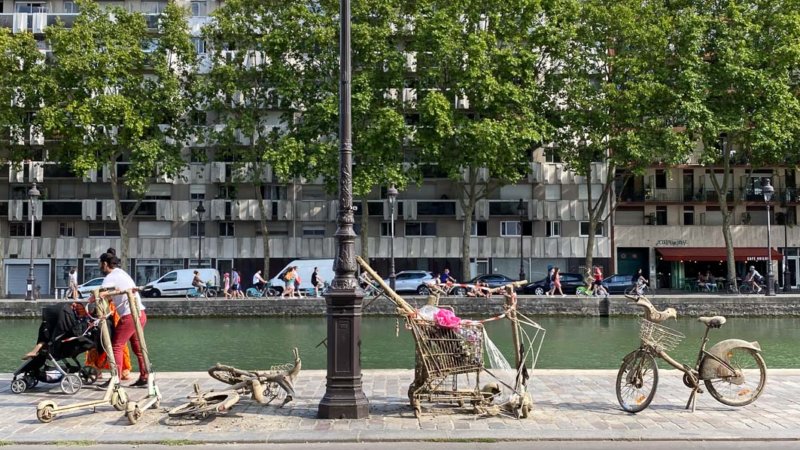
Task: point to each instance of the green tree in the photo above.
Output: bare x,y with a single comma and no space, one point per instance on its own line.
256,51
120,95
614,98
378,125
478,91
24,87
741,58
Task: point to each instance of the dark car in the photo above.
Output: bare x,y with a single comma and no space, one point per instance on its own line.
618,283
492,279
569,284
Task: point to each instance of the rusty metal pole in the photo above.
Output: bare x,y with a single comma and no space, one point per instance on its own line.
344,397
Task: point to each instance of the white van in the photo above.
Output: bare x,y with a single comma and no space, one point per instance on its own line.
178,282
305,267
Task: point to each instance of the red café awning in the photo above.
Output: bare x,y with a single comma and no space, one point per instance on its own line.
716,254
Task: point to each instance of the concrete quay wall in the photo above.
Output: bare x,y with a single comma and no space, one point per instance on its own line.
686,305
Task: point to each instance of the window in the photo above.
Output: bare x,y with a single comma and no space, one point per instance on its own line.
420,229
553,228
66,229
314,231
226,191
584,229
71,7
661,179
153,7
479,228
197,229
199,46
227,229
688,215
21,229
30,7
63,266
552,192
661,215
103,229
510,228
274,192
199,8
386,229
552,155
172,276
197,192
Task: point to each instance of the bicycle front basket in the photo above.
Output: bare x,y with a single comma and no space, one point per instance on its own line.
659,336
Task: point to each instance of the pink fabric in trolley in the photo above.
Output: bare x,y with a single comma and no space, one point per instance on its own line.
446,319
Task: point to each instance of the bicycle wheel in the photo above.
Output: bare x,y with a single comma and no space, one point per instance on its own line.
201,409
746,384
225,376
637,381
252,293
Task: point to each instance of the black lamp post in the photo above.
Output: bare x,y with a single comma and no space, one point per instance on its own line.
768,190
200,210
787,274
521,213
392,194
33,195
344,397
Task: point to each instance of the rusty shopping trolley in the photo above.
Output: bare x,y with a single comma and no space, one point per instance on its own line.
449,360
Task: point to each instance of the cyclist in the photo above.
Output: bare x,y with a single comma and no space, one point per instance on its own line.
199,284
258,281
752,278
640,282
316,281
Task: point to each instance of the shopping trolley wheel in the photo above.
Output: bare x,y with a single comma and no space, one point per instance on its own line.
45,413
18,386
71,384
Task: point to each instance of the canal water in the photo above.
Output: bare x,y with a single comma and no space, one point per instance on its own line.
258,342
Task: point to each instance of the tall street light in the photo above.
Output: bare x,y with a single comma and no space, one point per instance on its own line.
344,397
787,274
392,194
768,190
521,213
33,195
200,210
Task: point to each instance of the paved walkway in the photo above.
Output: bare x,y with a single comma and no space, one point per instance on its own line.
569,405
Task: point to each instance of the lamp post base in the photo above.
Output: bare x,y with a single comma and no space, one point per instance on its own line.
787,280
31,292
770,285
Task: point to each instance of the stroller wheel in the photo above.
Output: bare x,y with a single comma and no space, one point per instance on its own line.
71,384
18,386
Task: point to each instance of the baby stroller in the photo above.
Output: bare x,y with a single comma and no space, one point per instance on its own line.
66,332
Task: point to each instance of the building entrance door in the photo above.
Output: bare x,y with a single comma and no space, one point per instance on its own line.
793,263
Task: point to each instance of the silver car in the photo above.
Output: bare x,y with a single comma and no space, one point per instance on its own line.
412,281
85,289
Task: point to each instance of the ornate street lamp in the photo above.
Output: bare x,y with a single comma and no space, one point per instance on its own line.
344,397
521,213
33,195
200,210
392,194
768,190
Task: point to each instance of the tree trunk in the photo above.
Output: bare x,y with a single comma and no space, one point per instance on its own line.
468,205
726,233
121,222
262,217
364,235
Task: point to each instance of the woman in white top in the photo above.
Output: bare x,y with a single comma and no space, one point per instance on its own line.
125,330
73,283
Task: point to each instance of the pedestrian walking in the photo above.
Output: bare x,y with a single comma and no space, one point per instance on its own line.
288,283
316,281
236,280
557,282
73,283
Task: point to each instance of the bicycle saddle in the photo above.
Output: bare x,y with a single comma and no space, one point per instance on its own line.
712,322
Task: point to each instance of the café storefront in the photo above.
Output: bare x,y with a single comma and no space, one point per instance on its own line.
679,267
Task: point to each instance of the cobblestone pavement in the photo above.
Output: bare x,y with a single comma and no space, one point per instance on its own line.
568,405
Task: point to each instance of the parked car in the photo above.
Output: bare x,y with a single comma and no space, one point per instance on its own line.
411,281
618,283
85,289
492,279
569,284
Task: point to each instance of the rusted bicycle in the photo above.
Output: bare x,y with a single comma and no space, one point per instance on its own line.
733,370
263,385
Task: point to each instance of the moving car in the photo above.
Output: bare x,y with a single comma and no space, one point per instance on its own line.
85,289
179,282
569,284
305,267
492,279
411,281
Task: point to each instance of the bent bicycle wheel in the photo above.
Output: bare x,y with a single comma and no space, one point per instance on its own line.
225,376
747,382
201,408
637,381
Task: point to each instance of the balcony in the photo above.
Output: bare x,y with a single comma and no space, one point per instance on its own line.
671,195
38,22
436,208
